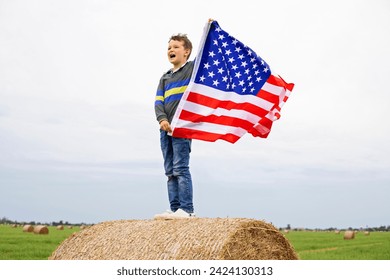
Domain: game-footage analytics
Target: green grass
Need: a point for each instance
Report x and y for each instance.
(18, 245)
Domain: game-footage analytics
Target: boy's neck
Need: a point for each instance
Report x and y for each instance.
(175, 68)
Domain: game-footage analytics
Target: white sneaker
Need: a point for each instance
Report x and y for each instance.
(180, 214)
(163, 216)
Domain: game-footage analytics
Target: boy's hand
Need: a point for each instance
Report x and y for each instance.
(164, 125)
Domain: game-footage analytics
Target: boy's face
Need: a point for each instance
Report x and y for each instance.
(177, 54)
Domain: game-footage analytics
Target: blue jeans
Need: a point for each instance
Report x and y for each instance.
(176, 153)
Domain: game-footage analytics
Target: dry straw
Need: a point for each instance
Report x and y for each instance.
(41, 230)
(28, 228)
(60, 227)
(349, 234)
(181, 239)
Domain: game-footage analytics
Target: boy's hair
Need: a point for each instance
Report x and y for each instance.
(182, 38)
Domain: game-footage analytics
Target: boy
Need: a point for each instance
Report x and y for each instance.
(176, 151)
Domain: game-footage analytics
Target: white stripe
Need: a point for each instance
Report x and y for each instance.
(212, 128)
(230, 96)
(207, 111)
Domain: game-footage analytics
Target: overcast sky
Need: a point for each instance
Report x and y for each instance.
(79, 141)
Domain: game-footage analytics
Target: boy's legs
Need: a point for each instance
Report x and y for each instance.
(172, 183)
(181, 171)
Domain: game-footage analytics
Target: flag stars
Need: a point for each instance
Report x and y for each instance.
(221, 70)
(229, 65)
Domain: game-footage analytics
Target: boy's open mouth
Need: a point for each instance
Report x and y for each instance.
(172, 55)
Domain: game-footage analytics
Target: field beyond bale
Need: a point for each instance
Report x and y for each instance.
(18, 245)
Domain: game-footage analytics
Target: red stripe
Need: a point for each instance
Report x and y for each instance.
(273, 98)
(278, 81)
(202, 135)
(224, 120)
(264, 129)
(229, 105)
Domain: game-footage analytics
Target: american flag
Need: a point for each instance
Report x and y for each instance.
(232, 91)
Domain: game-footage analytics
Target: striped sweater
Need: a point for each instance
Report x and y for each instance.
(170, 89)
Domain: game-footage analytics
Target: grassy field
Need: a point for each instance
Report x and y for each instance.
(18, 245)
(330, 246)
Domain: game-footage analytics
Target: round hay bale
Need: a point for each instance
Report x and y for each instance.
(82, 227)
(180, 239)
(337, 232)
(70, 227)
(366, 233)
(41, 230)
(60, 227)
(349, 234)
(28, 228)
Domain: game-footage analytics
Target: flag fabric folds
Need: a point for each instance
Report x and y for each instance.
(232, 92)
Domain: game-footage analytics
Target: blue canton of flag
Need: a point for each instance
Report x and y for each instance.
(227, 64)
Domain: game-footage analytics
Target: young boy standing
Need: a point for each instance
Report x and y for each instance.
(176, 151)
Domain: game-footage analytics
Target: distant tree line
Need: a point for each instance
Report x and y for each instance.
(5, 220)
(379, 228)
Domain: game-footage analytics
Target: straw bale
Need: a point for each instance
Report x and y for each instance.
(337, 232)
(70, 227)
(28, 228)
(349, 234)
(41, 230)
(366, 233)
(180, 239)
(60, 227)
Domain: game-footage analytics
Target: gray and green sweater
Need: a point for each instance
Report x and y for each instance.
(170, 89)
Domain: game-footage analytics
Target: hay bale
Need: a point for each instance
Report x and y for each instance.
(28, 228)
(60, 227)
(180, 239)
(70, 227)
(349, 234)
(366, 233)
(41, 230)
(82, 227)
(337, 232)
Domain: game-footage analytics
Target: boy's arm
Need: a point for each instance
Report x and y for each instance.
(161, 116)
